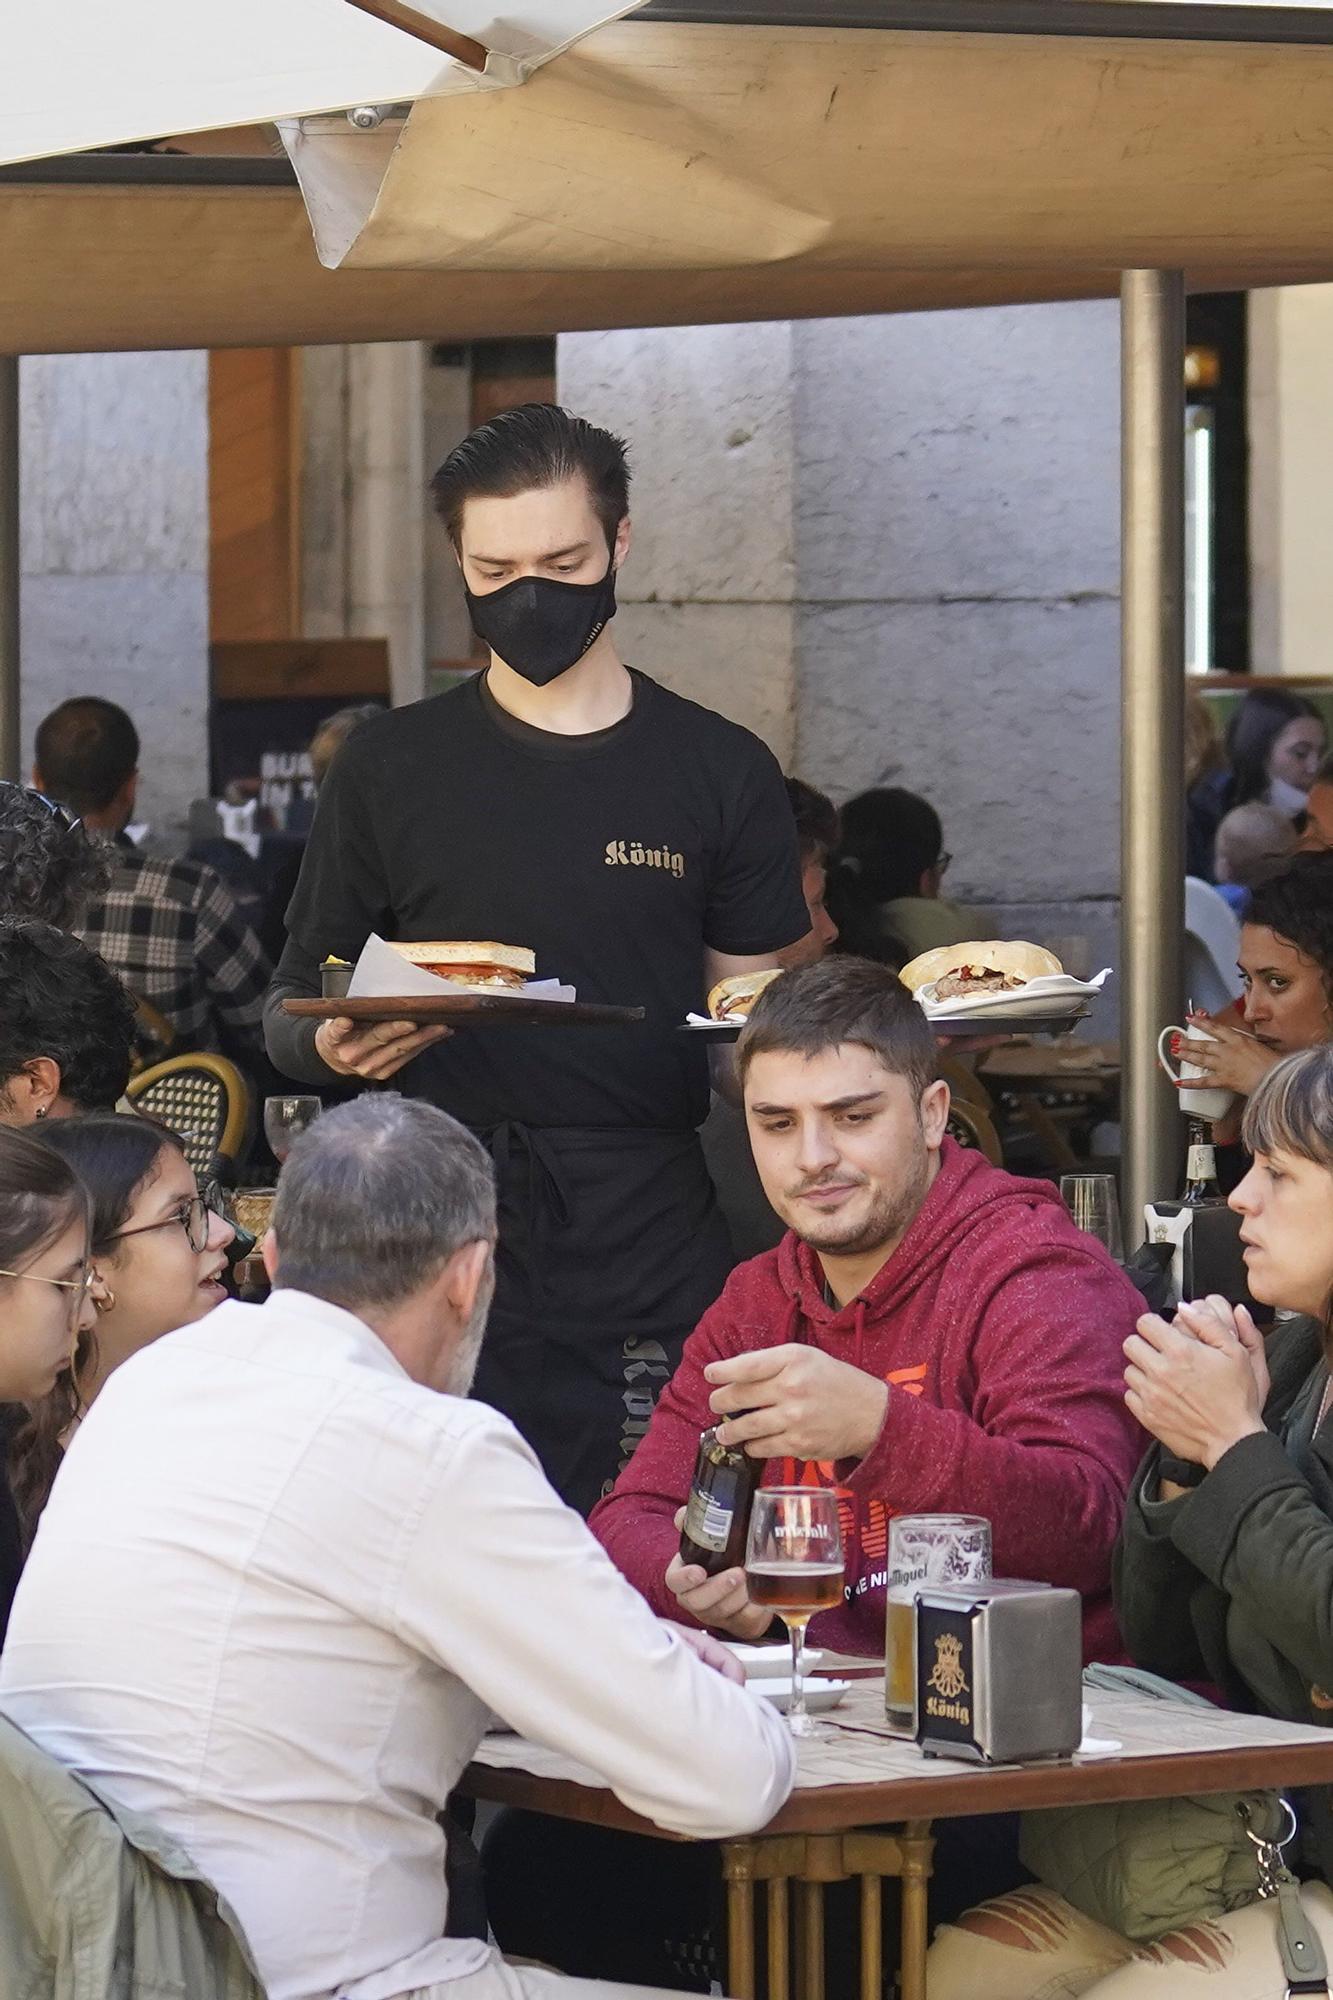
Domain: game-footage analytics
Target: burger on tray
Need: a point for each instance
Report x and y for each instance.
(954, 972)
(472, 967)
(731, 999)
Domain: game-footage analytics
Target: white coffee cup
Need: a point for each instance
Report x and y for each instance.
(1212, 1103)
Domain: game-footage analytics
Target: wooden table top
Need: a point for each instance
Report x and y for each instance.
(863, 1777)
(1073, 1065)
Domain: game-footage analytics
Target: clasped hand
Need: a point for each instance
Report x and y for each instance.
(1199, 1385)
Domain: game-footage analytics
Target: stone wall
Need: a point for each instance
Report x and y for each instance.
(890, 545)
(115, 555)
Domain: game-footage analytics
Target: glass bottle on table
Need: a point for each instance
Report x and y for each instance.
(1202, 1188)
(794, 1566)
(285, 1119)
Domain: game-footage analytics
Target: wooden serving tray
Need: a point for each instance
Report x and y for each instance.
(469, 1010)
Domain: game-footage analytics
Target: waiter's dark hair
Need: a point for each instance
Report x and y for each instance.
(840, 1000)
(521, 450)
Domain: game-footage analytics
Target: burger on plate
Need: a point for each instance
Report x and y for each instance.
(471, 967)
(731, 999)
(963, 971)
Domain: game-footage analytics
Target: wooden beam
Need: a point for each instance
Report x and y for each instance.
(397, 14)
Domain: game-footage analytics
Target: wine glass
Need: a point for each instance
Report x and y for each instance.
(285, 1119)
(1092, 1202)
(793, 1564)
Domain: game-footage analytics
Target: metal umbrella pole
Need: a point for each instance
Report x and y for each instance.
(10, 755)
(1152, 653)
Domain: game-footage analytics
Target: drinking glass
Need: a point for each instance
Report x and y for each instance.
(924, 1550)
(793, 1564)
(1092, 1201)
(285, 1119)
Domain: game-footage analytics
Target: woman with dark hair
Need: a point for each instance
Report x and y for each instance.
(1274, 743)
(45, 1306)
(1286, 966)
(49, 869)
(158, 1253)
(884, 882)
(1224, 1572)
(66, 1027)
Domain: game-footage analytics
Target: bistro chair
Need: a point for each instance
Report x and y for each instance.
(971, 1126)
(205, 1100)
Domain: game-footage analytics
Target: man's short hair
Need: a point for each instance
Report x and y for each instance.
(376, 1197)
(1253, 843)
(334, 731)
(840, 1000)
(816, 819)
(86, 750)
(59, 1000)
(523, 450)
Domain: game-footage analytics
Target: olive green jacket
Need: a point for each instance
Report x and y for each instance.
(102, 1905)
(1243, 1562)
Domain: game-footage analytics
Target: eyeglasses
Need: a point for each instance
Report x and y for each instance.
(942, 865)
(82, 1286)
(192, 1216)
(58, 812)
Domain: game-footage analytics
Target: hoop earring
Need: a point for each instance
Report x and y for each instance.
(106, 1302)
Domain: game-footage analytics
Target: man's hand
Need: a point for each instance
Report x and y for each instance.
(722, 1602)
(373, 1052)
(801, 1404)
(710, 1650)
(1199, 1396)
(1216, 1322)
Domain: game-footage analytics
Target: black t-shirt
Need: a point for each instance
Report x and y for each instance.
(617, 857)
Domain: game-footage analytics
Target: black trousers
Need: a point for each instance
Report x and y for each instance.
(612, 1247)
(603, 1905)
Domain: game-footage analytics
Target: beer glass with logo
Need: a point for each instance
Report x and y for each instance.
(793, 1563)
(924, 1550)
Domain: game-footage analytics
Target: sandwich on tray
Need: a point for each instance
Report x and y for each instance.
(964, 971)
(731, 999)
(472, 967)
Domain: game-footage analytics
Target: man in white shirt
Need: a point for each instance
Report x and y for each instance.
(287, 1569)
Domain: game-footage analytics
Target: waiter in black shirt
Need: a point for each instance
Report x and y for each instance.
(643, 847)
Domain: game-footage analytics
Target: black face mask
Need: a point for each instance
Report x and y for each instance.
(542, 628)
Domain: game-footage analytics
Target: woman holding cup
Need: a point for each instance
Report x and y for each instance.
(1286, 966)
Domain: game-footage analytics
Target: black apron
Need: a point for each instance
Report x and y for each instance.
(611, 1248)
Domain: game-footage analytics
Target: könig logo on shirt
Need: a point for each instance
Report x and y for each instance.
(632, 854)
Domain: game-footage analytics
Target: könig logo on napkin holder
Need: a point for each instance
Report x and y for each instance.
(999, 1671)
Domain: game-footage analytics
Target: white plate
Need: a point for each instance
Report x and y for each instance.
(772, 1663)
(1049, 995)
(819, 1695)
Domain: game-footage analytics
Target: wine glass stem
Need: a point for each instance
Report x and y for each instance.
(797, 1719)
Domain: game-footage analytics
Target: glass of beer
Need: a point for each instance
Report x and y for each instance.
(793, 1564)
(924, 1550)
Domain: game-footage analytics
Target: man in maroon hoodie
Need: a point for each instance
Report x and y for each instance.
(932, 1335)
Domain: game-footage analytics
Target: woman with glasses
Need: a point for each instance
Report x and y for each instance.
(158, 1252)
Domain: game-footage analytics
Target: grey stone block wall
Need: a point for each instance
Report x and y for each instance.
(114, 496)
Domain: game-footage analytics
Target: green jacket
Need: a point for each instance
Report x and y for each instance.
(97, 1904)
(1243, 1565)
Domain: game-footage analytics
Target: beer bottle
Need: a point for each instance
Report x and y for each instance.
(1201, 1184)
(717, 1513)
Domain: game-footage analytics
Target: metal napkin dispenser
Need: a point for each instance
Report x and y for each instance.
(999, 1672)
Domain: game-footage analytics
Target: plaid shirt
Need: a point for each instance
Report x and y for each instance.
(172, 932)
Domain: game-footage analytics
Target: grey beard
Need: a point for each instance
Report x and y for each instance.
(463, 1368)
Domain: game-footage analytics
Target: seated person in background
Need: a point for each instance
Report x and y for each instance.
(1318, 831)
(726, 1142)
(1286, 965)
(325, 744)
(168, 927)
(1254, 843)
(49, 869)
(1274, 742)
(1206, 776)
(885, 879)
(1225, 1567)
(66, 1027)
(372, 1565)
(931, 1335)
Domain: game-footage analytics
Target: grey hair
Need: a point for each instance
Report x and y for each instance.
(375, 1198)
(1291, 1110)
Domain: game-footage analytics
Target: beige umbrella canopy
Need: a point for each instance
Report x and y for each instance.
(790, 158)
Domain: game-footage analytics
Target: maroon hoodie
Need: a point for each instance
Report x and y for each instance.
(998, 1328)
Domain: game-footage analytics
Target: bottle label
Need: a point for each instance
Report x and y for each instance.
(1201, 1164)
(706, 1523)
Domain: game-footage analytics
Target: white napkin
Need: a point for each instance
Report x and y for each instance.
(1097, 1746)
(381, 974)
